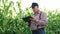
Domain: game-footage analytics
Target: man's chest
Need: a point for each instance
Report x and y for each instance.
(36, 16)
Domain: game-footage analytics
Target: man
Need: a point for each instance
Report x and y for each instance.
(38, 21)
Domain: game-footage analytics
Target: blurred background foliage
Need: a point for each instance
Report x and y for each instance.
(11, 22)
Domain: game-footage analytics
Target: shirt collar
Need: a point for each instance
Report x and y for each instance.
(37, 13)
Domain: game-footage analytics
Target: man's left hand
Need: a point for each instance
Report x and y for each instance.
(33, 19)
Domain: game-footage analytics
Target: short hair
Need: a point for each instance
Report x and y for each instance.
(34, 4)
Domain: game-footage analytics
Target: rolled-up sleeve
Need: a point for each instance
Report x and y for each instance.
(43, 20)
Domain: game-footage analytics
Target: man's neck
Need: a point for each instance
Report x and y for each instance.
(36, 12)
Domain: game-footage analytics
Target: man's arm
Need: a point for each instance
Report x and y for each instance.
(43, 20)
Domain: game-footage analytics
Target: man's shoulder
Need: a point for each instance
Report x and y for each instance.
(42, 12)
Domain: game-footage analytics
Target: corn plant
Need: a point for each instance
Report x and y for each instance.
(11, 19)
(53, 26)
(10, 25)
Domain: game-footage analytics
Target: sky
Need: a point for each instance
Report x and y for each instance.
(48, 4)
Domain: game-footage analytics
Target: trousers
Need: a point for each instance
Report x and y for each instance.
(38, 31)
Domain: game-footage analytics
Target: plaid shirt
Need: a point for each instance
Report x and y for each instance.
(42, 22)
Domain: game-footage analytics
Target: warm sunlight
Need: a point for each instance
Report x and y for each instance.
(48, 4)
(16, 17)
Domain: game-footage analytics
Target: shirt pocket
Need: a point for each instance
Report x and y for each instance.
(33, 26)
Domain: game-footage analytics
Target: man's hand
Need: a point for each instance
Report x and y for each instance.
(33, 19)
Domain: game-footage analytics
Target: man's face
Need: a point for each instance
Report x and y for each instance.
(35, 9)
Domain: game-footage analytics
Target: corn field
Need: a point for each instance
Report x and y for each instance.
(11, 22)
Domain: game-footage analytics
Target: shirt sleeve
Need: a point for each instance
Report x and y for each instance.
(43, 20)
